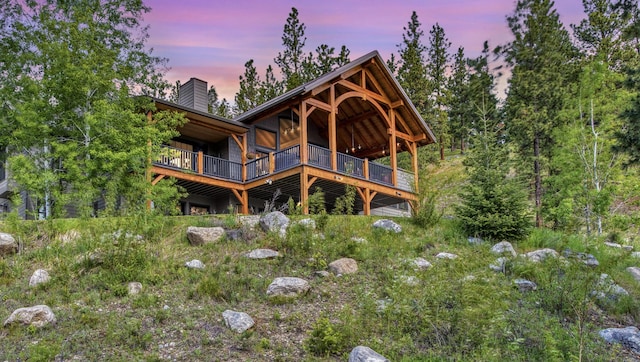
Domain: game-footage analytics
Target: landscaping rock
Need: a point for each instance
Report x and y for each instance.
(635, 272)
(387, 225)
(359, 240)
(307, 223)
(287, 287)
(446, 256)
(250, 221)
(636, 254)
(612, 245)
(421, 263)
(627, 247)
(234, 234)
(607, 289)
(322, 273)
(525, 285)
(409, 280)
(237, 321)
(199, 235)
(628, 337)
(587, 259)
(365, 354)
(262, 254)
(343, 266)
(503, 247)
(475, 241)
(37, 316)
(276, 222)
(38, 277)
(134, 288)
(8, 244)
(194, 264)
(538, 256)
(499, 265)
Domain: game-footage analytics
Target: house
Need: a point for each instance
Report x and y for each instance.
(327, 133)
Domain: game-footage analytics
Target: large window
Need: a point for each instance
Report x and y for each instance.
(265, 139)
(289, 133)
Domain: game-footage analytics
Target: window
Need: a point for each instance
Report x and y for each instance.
(265, 138)
(289, 133)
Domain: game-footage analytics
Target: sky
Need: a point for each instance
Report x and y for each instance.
(213, 39)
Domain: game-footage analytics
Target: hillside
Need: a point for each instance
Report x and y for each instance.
(457, 309)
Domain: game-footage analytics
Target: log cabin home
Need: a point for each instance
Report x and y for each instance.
(327, 133)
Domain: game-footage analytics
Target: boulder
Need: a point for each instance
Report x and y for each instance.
(262, 254)
(8, 244)
(388, 225)
(635, 254)
(635, 272)
(499, 265)
(38, 277)
(234, 234)
(287, 287)
(307, 223)
(134, 288)
(607, 289)
(538, 256)
(587, 259)
(199, 235)
(525, 285)
(237, 321)
(612, 245)
(628, 337)
(421, 264)
(503, 247)
(365, 354)
(249, 221)
(194, 264)
(343, 266)
(446, 256)
(275, 222)
(37, 316)
(475, 241)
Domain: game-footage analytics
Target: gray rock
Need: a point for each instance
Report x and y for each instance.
(307, 223)
(343, 266)
(249, 220)
(587, 259)
(421, 263)
(628, 337)
(538, 256)
(627, 247)
(612, 245)
(237, 321)
(37, 316)
(607, 289)
(635, 254)
(525, 285)
(475, 241)
(635, 272)
(199, 235)
(359, 240)
(287, 287)
(446, 256)
(262, 254)
(134, 288)
(234, 234)
(275, 222)
(387, 225)
(194, 264)
(409, 280)
(499, 265)
(383, 304)
(38, 277)
(365, 354)
(503, 247)
(322, 273)
(8, 244)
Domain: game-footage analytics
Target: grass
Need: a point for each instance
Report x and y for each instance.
(456, 310)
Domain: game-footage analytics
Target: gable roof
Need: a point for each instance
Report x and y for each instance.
(303, 90)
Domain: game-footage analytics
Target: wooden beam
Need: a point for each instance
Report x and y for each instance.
(392, 148)
(414, 159)
(333, 137)
(304, 132)
(375, 104)
(319, 104)
(397, 104)
(399, 134)
(243, 198)
(239, 143)
(311, 109)
(366, 92)
(312, 180)
(304, 191)
(373, 186)
(205, 180)
(157, 179)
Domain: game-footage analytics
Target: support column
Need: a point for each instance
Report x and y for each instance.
(414, 158)
(333, 138)
(243, 198)
(304, 191)
(393, 149)
(303, 133)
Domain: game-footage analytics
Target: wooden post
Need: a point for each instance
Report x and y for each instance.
(303, 133)
(244, 158)
(333, 138)
(414, 150)
(272, 162)
(366, 168)
(393, 150)
(304, 191)
(200, 162)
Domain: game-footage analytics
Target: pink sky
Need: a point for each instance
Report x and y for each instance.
(212, 39)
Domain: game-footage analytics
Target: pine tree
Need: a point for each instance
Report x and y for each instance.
(494, 204)
(291, 59)
(540, 58)
(248, 96)
(459, 101)
(436, 67)
(412, 74)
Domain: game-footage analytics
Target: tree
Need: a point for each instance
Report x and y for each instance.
(270, 87)
(459, 102)
(436, 68)
(248, 96)
(494, 204)
(291, 59)
(70, 120)
(540, 59)
(412, 74)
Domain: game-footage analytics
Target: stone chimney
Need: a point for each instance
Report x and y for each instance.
(193, 94)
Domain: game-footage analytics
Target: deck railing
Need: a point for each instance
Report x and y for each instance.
(178, 158)
(3, 173)
(287, 158)
(279, 161)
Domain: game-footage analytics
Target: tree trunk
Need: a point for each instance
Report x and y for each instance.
(538, 179)
(441, 148)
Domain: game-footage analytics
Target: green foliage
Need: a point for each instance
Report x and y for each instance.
(324, 339)
(344, 203)
(425, 209)
(493, 203)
